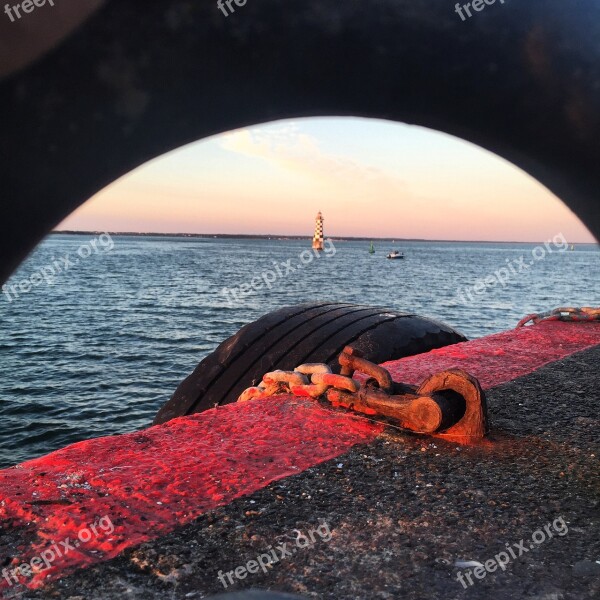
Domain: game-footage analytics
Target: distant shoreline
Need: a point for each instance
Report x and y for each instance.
(250, 236)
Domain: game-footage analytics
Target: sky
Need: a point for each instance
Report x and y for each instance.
(370, 178)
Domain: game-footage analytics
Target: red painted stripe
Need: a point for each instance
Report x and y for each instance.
(503, 357)
(149, 482)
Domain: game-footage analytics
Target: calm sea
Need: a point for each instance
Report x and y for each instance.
(102, 346)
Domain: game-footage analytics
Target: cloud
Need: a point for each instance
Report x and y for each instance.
(287, 147)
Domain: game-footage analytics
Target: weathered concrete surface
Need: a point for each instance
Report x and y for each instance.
(402, 510)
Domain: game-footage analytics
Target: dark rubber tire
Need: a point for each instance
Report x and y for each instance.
(294, 335)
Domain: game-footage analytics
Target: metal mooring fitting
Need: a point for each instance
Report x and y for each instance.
(449, 404)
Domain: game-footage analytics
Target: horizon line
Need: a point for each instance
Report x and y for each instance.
(296, 237)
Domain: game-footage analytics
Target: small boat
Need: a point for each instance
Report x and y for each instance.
(395, 255)
(372, 249)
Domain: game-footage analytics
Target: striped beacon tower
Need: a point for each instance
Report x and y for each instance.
(318, 239)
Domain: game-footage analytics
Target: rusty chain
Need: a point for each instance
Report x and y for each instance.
(460, 415)
(584, 314)
(298, 383)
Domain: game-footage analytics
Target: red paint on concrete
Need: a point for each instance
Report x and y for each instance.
(503, 357)
(147, 483)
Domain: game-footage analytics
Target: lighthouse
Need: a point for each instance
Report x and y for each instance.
(318, 238)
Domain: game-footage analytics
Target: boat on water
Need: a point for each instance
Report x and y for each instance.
(372, 249)
(395, 255)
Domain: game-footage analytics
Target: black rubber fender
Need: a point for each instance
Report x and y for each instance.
(286, 338)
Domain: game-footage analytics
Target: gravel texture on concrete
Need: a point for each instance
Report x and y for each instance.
(403, 516)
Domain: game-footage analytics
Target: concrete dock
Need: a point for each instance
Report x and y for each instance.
(365, 513)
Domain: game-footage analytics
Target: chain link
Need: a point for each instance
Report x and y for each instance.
(297, 382)
(584, 314)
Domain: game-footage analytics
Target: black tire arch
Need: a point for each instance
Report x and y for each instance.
(138, 79)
